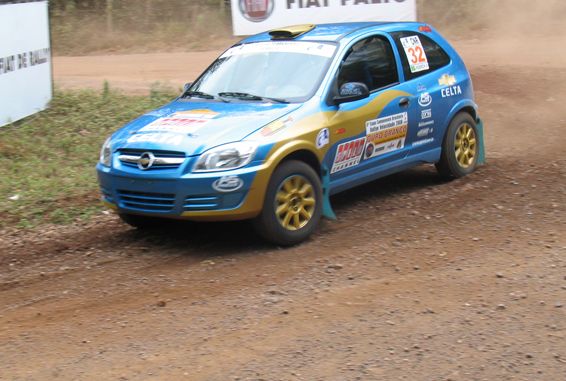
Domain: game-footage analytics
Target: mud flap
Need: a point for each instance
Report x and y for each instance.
(327, 211)
(481, 151)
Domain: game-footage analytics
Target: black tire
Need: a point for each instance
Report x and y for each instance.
(449, 166)
(270, 225)
(142, 222)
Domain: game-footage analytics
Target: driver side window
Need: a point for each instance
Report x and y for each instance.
(370, 61)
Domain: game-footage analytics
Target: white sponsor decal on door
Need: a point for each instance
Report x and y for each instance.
(386, 134)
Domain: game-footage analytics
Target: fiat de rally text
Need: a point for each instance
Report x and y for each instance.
(286, 118)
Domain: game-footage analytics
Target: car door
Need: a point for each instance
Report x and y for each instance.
(371, 131)
(422, 60)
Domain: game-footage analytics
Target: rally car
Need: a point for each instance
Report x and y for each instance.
(286, 118)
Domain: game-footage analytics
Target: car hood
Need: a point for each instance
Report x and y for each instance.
(193, 126)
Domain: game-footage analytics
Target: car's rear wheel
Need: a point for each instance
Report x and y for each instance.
(142, 222)
(460, 148)
(293, 204)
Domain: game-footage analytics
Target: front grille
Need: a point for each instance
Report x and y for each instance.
(164, 159)
(158, 202)
(201, 203)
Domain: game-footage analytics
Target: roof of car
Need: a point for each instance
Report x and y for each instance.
(336, 32)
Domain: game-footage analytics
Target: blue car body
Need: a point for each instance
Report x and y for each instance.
(334, 139)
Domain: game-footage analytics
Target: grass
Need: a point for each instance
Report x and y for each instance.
(47, 160)
(185, 26)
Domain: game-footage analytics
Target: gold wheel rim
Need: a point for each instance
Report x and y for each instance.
(465, 145)
(295, 202)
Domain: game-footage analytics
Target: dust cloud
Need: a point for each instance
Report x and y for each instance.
(524, 17)
(496, 18)
(504, 32)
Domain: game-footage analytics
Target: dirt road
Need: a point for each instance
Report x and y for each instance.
(133, 73)
(417, 280)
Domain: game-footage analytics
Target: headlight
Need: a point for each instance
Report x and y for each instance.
(106, 153)
(225, 157)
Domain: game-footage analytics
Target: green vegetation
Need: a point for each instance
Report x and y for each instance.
(47, 160)
(82, 27)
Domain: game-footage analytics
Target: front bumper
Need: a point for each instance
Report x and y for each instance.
(191, 196)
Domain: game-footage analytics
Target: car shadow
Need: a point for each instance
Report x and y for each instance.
(399, 183)
(226, 238)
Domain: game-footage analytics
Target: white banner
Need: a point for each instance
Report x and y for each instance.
(25, 60)
(255, 16)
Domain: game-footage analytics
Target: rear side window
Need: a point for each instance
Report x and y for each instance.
(370, 61)
(419, 54)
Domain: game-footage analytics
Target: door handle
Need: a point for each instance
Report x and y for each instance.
(404, 102)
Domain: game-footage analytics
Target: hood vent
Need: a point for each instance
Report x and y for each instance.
(290, 32)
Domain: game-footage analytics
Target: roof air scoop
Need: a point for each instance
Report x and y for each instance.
(290, 32)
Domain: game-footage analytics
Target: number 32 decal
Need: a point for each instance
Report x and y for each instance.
(415, 53)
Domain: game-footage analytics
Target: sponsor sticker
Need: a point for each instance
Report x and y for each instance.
(426, 114)
(415, 53)
(427, 123)
(425, 132)
(425, 100)
(304, 47)
(450, 88)
(447, 80)
(348, 154)
(183, 122)
(276, 126)
(227, 184)
(386, 134)
(323, 138)
(451, 91)
(157, 137)
(423, 142)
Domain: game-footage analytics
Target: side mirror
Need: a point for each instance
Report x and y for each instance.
(351, 91)
(187, 86)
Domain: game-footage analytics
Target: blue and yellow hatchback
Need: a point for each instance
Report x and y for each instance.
(284, 119)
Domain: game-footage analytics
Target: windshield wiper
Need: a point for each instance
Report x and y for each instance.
(200, 94)
(251, 97)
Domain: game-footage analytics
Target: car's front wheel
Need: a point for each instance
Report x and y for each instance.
(293, 204)
(460, 148)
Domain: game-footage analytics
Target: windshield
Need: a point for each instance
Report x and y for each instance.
(281, 70)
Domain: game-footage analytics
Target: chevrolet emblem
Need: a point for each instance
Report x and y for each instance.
(447, 80)
(146, 160)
